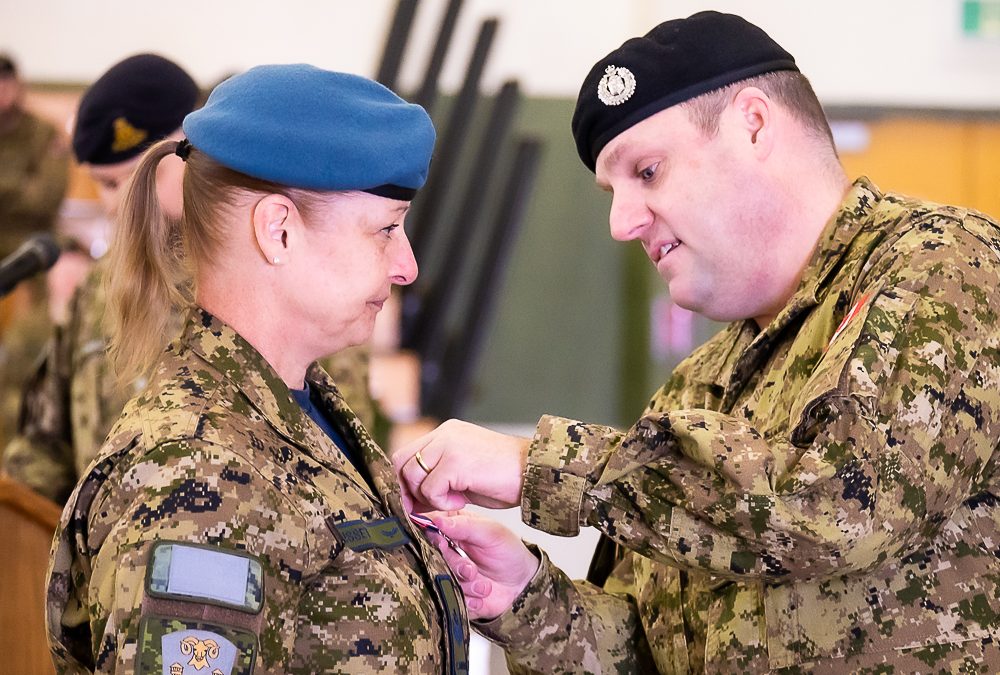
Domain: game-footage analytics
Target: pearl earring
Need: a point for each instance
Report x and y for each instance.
(276, 260)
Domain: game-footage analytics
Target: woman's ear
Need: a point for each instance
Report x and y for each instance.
(273, 217)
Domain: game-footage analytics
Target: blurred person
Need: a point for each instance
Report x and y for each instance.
(73, 398)
(34, 170)
(814, 489)
(240, 518)
(34, 165)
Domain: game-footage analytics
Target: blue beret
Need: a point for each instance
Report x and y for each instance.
(136, 103)
(675, 62)
(303, 127)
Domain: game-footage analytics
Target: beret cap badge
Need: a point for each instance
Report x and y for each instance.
(126, 135)
(617, 85)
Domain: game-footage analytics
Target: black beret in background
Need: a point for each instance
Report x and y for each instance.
(7, 66)
(136, 103)
(676, 61)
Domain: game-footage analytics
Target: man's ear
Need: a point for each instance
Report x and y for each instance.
(273, 218)
(753, 115)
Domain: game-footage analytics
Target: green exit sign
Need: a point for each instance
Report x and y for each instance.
(981, 18)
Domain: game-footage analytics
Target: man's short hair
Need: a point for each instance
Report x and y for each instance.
(789, 88)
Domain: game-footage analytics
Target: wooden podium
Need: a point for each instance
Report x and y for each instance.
(27, 523)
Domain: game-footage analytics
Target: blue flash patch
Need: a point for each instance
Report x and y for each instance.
(206, 573)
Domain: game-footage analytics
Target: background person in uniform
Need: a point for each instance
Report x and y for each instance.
(71, 401)
(34, 166)
(34, 170)
(240, 517)
(814, 489)
(74, 397)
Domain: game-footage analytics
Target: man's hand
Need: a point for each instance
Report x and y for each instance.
(459, 463)
(499, 564)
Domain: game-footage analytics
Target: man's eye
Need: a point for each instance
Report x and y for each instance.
(648, 173)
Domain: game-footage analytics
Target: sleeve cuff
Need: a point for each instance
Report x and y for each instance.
(564, 459)
(518, 627)
(551, 500)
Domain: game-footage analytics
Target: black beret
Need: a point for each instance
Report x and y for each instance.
(675, 62)
(138, 102)
(7, 67)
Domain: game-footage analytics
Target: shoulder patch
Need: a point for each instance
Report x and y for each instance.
(195, 572)
(170, 646)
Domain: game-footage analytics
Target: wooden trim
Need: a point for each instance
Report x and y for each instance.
(32, 505)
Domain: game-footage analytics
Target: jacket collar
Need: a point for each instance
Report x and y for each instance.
(749, 344)
(840, 233)
(240, 363)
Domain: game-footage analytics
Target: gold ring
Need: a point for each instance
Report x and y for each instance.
(420, 461)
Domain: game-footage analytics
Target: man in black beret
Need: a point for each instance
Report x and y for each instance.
(813, 490)
(137, 102)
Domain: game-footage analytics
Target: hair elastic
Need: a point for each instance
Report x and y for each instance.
(183, 149)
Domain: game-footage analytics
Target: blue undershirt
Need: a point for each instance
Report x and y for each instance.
(306, 398)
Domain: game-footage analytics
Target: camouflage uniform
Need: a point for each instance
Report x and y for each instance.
(216, 457)
(70, 402)
(74, 397)
(349, 368)
(34, 170)
(816, 497)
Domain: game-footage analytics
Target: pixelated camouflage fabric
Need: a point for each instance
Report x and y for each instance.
(811, 497)
(215, 451)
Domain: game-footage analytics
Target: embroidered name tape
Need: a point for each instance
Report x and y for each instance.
(206, 573)
(362, 535)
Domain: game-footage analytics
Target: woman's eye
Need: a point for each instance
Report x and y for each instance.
(389, 228)
(648, 173)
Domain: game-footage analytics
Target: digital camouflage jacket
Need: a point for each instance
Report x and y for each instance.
(816, 497)
(221, 530)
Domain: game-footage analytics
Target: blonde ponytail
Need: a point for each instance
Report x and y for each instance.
(146, 281)
(154, 260)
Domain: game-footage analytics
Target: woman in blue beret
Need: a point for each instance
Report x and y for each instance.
(239, 518)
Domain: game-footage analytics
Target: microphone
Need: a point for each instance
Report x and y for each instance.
(36, 254)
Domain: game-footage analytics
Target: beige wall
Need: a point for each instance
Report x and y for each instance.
(889, 52)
